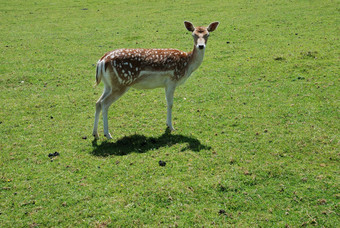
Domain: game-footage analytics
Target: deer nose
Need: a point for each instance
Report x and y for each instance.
(201, 46)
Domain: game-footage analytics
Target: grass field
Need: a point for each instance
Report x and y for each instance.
(257, 125)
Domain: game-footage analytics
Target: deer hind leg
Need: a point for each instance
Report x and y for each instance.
(169, 93)
(105, 104)
(98, 110)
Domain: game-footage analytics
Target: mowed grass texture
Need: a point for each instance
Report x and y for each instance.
(257, 139)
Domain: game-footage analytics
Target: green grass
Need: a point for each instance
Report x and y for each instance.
(257, 140)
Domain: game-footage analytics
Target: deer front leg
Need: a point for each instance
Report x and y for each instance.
(169, 93)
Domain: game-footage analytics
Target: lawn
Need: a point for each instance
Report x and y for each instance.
(257, 125)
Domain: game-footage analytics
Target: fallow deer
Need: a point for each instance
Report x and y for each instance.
(147, 69)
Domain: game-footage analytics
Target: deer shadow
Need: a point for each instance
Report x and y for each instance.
(140, 144)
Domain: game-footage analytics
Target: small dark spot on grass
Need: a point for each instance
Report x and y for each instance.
(162, 163)
(234, 124)
(51, 155)
(313, 222)
(311, 54)
(84, 9)
(84, 137)
(279, 58)
(222, 212)
(28, 203)
(222, 188)
(298, 78)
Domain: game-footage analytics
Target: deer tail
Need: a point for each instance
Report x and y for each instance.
(99, 71)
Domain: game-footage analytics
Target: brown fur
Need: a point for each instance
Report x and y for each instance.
(128, 63)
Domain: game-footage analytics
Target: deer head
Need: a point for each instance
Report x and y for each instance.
(200, 34)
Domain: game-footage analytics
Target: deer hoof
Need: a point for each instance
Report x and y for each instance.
(95, 135)
(171, 128)
(108, 136)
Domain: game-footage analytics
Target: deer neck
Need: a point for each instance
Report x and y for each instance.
(196, 58)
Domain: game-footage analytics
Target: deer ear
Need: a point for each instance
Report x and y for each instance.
(212, 26)
(189, 26)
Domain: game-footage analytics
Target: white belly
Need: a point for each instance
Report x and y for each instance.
(152, 79)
